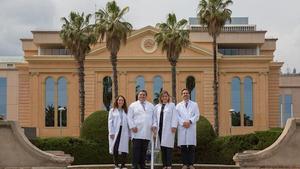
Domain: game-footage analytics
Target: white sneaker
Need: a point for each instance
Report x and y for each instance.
(116, 167)
(191, 167)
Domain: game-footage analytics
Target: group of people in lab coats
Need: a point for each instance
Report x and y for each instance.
(142, 120)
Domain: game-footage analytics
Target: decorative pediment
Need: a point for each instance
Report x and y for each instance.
(141, 44)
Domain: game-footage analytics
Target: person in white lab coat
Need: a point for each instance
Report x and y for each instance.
(188, 115)
(118, 132)
(142, 125)
(166, 117)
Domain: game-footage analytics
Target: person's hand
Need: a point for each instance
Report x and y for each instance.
(186, 124)
(154, 129)
(112, 136)
(135, 130)
(173, 129)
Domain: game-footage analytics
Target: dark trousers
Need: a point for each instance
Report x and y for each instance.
(187, 154)
(119, 158)
(166, 156)
(139, 150)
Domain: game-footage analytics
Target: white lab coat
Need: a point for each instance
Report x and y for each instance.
(142, 119)
(114, 123)
(191, 112)
(169, 121)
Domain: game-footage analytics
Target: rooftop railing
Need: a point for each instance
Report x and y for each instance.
(227, 28)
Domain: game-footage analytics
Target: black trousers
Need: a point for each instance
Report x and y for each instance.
(187, 154)
(166, 156)
(119, 158)
(139, 150)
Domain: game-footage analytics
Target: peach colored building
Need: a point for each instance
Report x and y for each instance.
(9, 85)
(248, 75)
(289, 96)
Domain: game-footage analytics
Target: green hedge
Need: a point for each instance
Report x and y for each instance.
(92, 146)
(224, 148)
(83, 151)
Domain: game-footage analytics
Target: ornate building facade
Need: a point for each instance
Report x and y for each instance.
(248, 78)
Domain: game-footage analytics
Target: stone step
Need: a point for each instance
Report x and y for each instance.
(156, 166)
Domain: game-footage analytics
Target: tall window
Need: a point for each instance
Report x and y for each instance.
(3, 96)
(139, 84)
(107, 92)
(242, 102)
(56, 98)
(190, 85)
(236, 101)
(49, 106)
(62, 102)
(157, 88)
(248, 102)
(287, 113)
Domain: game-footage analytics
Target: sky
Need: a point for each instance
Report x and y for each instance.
(280, 18)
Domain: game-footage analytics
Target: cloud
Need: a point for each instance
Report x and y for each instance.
(288, 48)
(18, 19)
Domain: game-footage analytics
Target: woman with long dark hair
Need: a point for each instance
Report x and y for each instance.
(118, 132)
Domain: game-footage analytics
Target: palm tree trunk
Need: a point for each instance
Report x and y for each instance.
(81, 90)
(173, 69)
(115, 75)
(215, 86)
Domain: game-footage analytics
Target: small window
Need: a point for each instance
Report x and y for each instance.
(157, 88)
(190, 85)
(107, 92)
(3, 97)
(139, 85)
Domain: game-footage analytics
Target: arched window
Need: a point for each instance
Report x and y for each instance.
(248, 101)
(107, 92)
(236, 101)
(3, 96)
(62, 102)
(49, 102)
(157, 88)
(190, 85)
(139, 85)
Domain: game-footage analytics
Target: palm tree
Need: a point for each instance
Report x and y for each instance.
(78, 35)
(110, 24)
(172, 37)
(213, 14)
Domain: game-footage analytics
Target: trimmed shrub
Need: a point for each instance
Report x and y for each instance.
(95, 128)
(83, 151)
(205, 137)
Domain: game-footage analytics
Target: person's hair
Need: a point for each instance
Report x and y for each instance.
(161, 95)
(143, 90)
(124, 107)
(184, 90)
